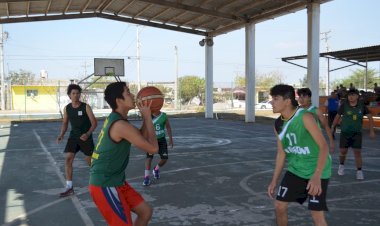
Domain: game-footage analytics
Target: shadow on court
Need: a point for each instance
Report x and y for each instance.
(217, 174)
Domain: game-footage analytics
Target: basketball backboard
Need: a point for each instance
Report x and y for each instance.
(108, 67)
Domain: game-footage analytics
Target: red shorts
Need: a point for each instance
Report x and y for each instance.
(115, 203)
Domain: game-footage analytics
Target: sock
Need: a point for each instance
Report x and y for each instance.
(146, 173)
(157, 167)
(359, 168)
(69, 184)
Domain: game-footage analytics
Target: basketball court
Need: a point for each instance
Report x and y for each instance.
(217, 174)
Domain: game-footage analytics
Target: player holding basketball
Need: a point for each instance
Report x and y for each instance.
(83, 123)
(113, 196)
(160, 122)
(300, 141)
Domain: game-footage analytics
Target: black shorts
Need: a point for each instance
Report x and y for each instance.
(293, 189)
(162, 149)
(75, 144)
(351, 140)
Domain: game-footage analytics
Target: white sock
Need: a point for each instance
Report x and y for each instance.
(157, 167)
(69, 184)
(146, 173)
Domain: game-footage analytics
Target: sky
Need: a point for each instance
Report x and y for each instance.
(66, 49)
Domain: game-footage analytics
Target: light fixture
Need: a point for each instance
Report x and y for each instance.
(207, 41)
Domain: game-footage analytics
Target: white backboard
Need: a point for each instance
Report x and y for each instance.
(108, 67)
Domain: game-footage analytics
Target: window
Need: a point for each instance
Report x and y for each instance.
(31, 93)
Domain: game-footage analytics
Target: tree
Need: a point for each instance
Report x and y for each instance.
(191, 86)
(357, 78)
(303, 82)
(164, 90)
(239, 81)
(262, 80)
(101, 83)
(20, 77)
(269, 79)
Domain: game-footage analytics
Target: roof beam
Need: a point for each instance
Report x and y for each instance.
(27, 9)
(7, 9)
(260, 17)
(84, 8)
(193, 9)
(159, 14)
(104, 5)
(142, 11)
(48, 8)
(125, 7)
(151, 24)
(67, 7)
(47, 18)
(7, 1)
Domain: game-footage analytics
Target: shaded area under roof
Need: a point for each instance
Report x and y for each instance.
(358, 55)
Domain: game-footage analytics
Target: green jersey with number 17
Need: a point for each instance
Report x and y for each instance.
(301, 150)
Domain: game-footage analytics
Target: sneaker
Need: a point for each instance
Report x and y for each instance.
(156, 173)
(68, 192)
(146, 181)
(359, 175)
(341, 170)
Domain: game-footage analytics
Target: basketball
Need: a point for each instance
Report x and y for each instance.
(153, 94)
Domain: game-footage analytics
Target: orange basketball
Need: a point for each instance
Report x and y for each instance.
(153, 94)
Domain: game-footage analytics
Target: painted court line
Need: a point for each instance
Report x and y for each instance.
(86, 219)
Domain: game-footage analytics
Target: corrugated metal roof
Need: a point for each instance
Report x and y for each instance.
(202, 17)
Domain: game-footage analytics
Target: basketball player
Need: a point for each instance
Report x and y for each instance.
(83, 123)
(160, 122)
(351, 113)
(300, 141)
(113, 196)
(304, 100)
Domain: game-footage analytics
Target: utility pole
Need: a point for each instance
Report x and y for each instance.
(3, 37)
(138, 60)
(176, 78)
(326, 38)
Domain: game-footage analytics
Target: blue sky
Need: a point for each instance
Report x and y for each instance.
(63, 48)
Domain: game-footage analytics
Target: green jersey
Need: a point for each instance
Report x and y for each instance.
(110, 159)
(313, 110)
(301, 149)
(159, 123)
(79, 121)
(352, 117)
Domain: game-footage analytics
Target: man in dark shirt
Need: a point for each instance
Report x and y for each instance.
(351, 112)
(83, 123)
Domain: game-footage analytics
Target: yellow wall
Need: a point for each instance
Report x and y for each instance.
(46, 100)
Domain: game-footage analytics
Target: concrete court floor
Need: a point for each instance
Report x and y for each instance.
(217, 174)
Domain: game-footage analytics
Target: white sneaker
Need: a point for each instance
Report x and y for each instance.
(359, 175)
(341, 170)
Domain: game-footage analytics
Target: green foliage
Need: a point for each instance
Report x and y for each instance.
(239, 81)
(20, 77)
(101, 82)
(303, 82)
(266, 80)
(164, 90)
(357, 78)
(191, 86)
